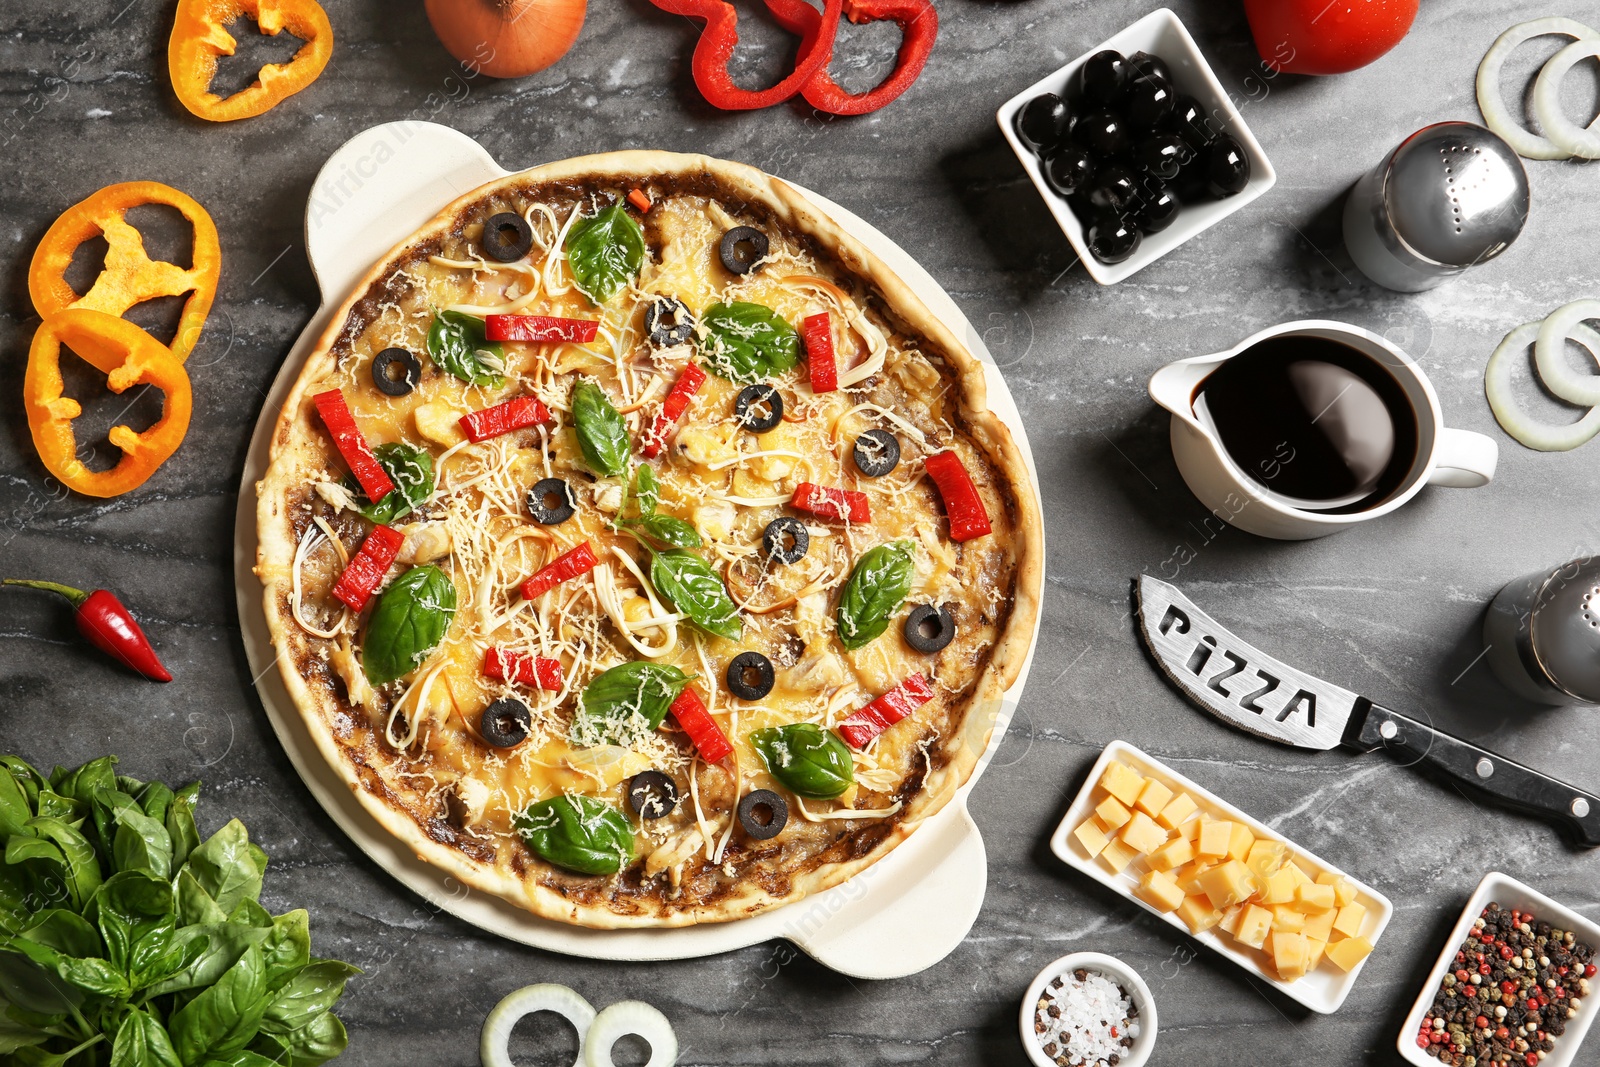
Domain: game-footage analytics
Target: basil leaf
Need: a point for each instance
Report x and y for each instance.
(141, 844)
(138, 918)
(226, 869)
(224, 1017)
(215, 947)
(52, 805)
(806, 759)
(578, 833)
(32, 988)
(312, 991)
(82, 783)
(602, 433)
(629, 700)
(646, 490)
(78, 856)
(65, 931)
(26, 776)
(16, 1035)
(746, 342)
(180, 823)
(143, 1042)
(409, 622)
(287, 947)
(14, 807)
(314, 1044)
(411, 470)
(153, 798)
(694, 589)
(604, 252)
(665, 530)
(457, 343)
(876, 589)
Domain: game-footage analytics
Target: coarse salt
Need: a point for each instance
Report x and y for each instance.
(1085, 1018)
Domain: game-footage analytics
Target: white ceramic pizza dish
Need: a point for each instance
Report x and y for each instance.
(1325, 988)
(900, 916)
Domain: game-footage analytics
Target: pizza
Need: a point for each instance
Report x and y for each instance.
(640, 548)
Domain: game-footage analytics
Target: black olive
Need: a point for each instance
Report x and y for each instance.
(1043, 122)
(550, 501)
(1114, 188)
(1148, 102)
(785, 540)
(1227, 168)
(750, 676)
(505, 723)
(759, 408)
(742, 248)
(876, 453)
(1145, 65)
(652, 794)
(1112, 239)
(396, 372)
(1161, 154)
(668, 322)
(1068, 169)
(929, 628)
(1102, 76)
(1156, 208)
(506, 237)
(1102, 132)
(763, 814)
(1193, 123)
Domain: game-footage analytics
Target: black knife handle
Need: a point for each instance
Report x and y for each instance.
(1409, 741)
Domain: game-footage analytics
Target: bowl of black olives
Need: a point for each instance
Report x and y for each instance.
(1136, 147)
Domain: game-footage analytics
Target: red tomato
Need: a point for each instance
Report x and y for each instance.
(1327, 36)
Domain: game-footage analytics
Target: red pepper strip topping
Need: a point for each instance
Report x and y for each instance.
(352, 446)
(878, 716)
(519, 667)
(818, 330)
(639, 200)
(516, 414)
(105, 623)
(919, 26)
(355, 586)
(715, 48)
(968, 517)
(836, 505)
(567, 566)
(690, 713)
(540, 328)
(672, 409)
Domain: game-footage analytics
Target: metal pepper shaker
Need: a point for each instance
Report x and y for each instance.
(1543, 634)
(1449, 197)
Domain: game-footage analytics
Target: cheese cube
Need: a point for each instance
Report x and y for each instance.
(1265, 858)
(1319, 924)
(1143, 835)
(1344, 890)
(1158, 890)
(1113, 814)
(1174, 853)
(1230, 919)
(1214, 838)
(1188, 875)
(1254, 925)
(1289, 954)
(1228, 883)
(1117, 856)
(1279, 888)
(1287, 919)
(1091, 837)
(1177, 811)
(1314, 950)
(1198, 914)
(1122, 783)
(1300, 877)
(1240, 841)
(1313, 897)
(1152, 798)
(1349, 952)
(1351, 916)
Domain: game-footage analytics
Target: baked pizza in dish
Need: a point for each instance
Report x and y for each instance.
(641, 549)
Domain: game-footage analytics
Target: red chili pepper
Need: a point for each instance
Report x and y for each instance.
(365, 572)
(107, 625)
(715, 48)
(919, 26)
(639, 200)
(507, 666)
(968, 517)
(836, 505)
(517, 414)
(375, 481)
(567, 566)
(539, 328)
(672, 409)
(691, 714)
(820, 358)
(890, 708)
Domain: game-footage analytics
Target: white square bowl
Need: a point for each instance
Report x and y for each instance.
(1510, 894)
(1161, 34)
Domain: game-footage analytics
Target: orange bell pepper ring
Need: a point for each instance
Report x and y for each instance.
(128, 356)
(200, 35)
(130, 276)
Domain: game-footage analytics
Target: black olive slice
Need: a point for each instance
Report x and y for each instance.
(505, 722)
(759, 408)
(396, 372)
(506, 237)
(876, 452)
(668, 322)
(742, 249)
(763, 814)
(929, 628)
(750, 676)
(550, 502)
(785, 540)
(652, 794)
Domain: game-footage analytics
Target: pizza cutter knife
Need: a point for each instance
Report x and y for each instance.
(1249, 690)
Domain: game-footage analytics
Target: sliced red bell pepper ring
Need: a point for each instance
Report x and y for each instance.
(690, 713)
(862, 726)
(835, 505)
(567, 566)
(540, 328)
(919, 26)
(820, 358)
(968, 517)
(672, 409)
(347, 437)
(516, 414)
(365, 571)
(504, 665)
(715, 48)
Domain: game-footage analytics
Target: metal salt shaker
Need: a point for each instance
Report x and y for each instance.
(1543, 634)
(1450, 196)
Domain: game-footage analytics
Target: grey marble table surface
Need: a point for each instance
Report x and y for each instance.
(1391, 609)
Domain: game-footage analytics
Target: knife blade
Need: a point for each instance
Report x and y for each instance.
(1252, 691)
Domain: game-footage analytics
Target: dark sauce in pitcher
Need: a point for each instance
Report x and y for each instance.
(1314, 420)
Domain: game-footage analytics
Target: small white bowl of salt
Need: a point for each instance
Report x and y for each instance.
(1088, 1009)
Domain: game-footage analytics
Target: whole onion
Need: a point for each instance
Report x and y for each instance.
(506, 38)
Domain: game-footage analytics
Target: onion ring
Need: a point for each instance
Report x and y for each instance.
(630, 1017)
(1541, 436)
(1496, 115)
(494, 1048)
(1549, 354)
(1558, 129)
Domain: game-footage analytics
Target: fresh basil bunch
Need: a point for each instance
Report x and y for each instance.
(657, 531)
(604, 252)
(578, 833)
(602, 433)
(125, 939)
(411, 470)
(746, 342)
(877, 587)
(692, 587)
(808, 760)
(628, 700)
(457, 343)
(409, 622)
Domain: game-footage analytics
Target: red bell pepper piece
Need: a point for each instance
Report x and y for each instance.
(715, 48)
(516, 414)
(968, 517)
(690, 713)
(835, 505)
(507, 666)
(919, 26)
(539, 328)
(375, 481)
(672, 409)
(372, 561)
(820, 358)
(861, 727)
(105, 623)
(566, 567)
